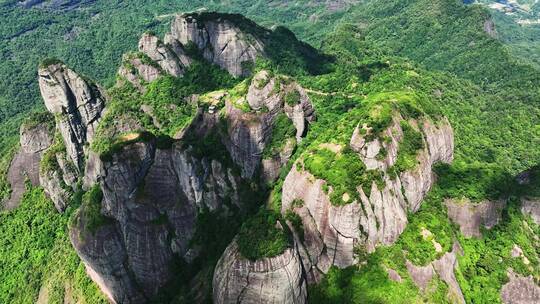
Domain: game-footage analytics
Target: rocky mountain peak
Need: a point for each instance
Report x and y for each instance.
(76, 102)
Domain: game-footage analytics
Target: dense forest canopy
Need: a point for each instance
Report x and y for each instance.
(472, 63)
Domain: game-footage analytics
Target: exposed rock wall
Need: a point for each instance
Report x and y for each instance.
(332, 232)
(77, 104)
(470, 217)
(34, 140)
(162, 54)
(270, 280)
(520, 290)
(249, 133)
(444, 268)
(220, 41)
(531, 207)
(153, 197)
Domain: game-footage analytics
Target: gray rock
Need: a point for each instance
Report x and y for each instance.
(520, 290)
(249, 133)
(470, 217)
(153, 196)
(444, 268)
(56, 189)
(77, 103)
(162, 54)
(135, 71)
(106, 260)
(220, 41)
(379, 217)
(270, 280)
(531, 207)
(34, 140)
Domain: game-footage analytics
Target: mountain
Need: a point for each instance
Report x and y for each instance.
(229, 162)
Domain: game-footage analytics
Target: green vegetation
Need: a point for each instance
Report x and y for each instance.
(38, 118)
(343, 171)
(370, 284)
(35, 251)
(483, 268)
(292, 98)
(282, 131)
(49, 161)
(416, 58)
(260, 237)
(167, 111)
(408, 149)
(90, 211)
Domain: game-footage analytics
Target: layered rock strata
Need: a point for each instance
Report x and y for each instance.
(152, 197)
(278, 279)
(77, 104)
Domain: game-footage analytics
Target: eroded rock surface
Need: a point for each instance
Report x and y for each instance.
(278, 279)
(520, 290)
(34, 140)
(470, 217)
(222, 40)
(531, 207)
(444, 269)
(152, 196)
(332, 232)
(76, 102)
(249, 133)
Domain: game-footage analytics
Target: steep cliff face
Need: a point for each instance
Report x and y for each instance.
(471, 217)
(34, 140)
(151, 197)
(77, 104)
(223, 40)
(444, 268)
(250, 133)
(332, 232)
(278, 279)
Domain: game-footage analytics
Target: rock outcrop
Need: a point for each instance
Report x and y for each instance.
(34, 140)
(470, 217)
(137, 71)
(162, 54)
(278, 279)
(520, 290)
(531, 207)
(332, 232)
(249, 133)
(226, 40)
(76, 102)
(444, 268)
(152, 196)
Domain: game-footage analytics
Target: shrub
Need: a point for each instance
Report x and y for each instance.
(259, 236)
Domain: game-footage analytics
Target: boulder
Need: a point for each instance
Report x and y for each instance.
(34, 140)
(520, 290)
(162, 54)
(531, 207)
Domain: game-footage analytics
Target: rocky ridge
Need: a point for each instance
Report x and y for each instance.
(333, 232)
